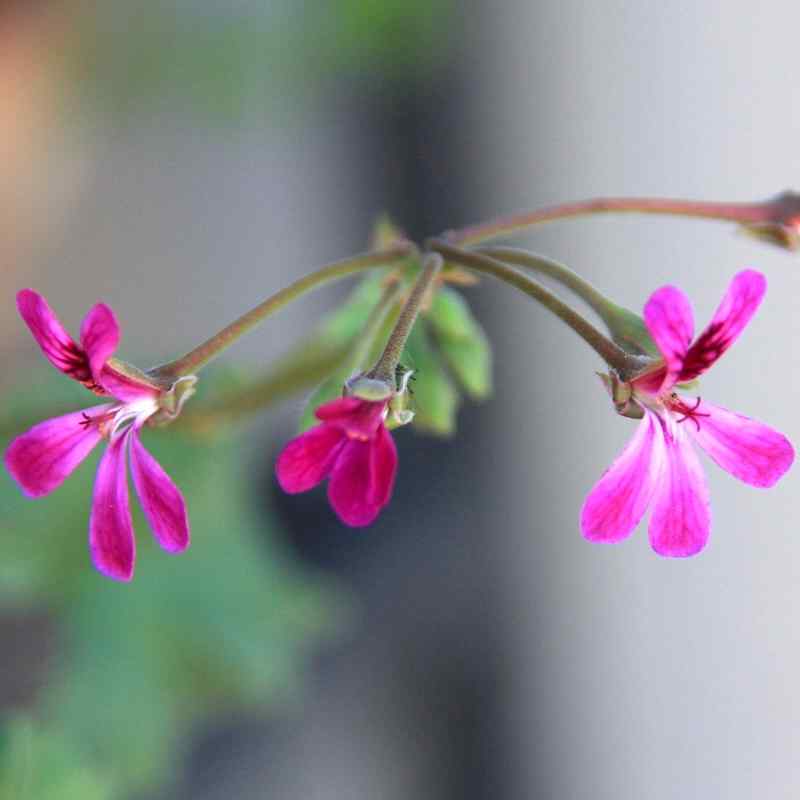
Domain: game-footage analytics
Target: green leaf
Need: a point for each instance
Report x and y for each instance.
(462, 342)
(435, 398)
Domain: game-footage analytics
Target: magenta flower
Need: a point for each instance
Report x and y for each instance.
(41, 459)
(659, 465)
(353, 447)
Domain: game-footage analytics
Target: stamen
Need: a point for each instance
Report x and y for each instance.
(692, 413)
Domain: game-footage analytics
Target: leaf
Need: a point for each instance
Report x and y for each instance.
(435, 398)
(462, 342)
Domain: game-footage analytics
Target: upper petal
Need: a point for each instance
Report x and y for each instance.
(359, 418)
(51, 336)
(748, 449)
(681, 518)
(41, 459)
(354, 491)
(161, 500)
(671, 324)
(99, 337)
(740, 302)
(618, 501)
(124, 387)
(111, 541)
(308, 458)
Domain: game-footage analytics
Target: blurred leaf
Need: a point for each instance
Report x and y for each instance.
(435, 398)
(462, 342)
(38, 764)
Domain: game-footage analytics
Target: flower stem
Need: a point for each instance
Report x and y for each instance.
(743, 213)
(623, 325)
(217, 344)
(624, 363)
(374, 324)
(385, 368)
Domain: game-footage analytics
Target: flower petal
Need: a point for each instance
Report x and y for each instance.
(740, 302)
(352, 490)
(99, 337)
(618, 501)
(111, 541)
(669, 319)
(748, 449)
(384, 467)
(161, 500)
(51, 336)
(309, 458)
(124, 387)
(41, 459)
(681, 518)
(359, 418)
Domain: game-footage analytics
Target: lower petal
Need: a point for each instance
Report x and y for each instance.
(384, 467)
(111, 540)
(41, 459)
(618, 501)
(352, 488)
(308, 459)
(681, 519)
(161, 500)
(748, 449)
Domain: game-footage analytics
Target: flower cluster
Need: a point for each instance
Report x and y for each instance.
(351, 445)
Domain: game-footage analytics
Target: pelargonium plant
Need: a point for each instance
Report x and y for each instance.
(366, 379)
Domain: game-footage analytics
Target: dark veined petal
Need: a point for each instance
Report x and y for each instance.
(741, 301)
(161, 500)
(41, 459)
(353, 489)
(51, 336)
(681, 518)
(748, 449)
(669, 319)
(99, 337)
(111, 541)
(308, 459)
(620, 498)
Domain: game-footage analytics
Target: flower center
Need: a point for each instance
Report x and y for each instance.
(677, 404)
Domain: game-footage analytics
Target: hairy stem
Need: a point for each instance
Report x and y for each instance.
(743, 213)
(390, 358)
(217, 344)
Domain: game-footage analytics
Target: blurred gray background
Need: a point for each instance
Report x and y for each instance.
(499, 654)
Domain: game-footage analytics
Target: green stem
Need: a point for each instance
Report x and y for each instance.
(217, 344)
(373, 326)
(385, 368)
(743, 213)
(624, 363)
(623, 325)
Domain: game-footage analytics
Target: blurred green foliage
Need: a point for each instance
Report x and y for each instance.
(222, 60)
(227, 625)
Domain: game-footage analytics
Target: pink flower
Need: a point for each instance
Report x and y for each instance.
(659, 465)
(353, 447)
(41, 459)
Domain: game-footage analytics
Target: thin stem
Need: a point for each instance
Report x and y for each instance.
(372, 327)
(217, 344)
(390, 358)
(624, 363)
(743, 213)
(623, 325)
